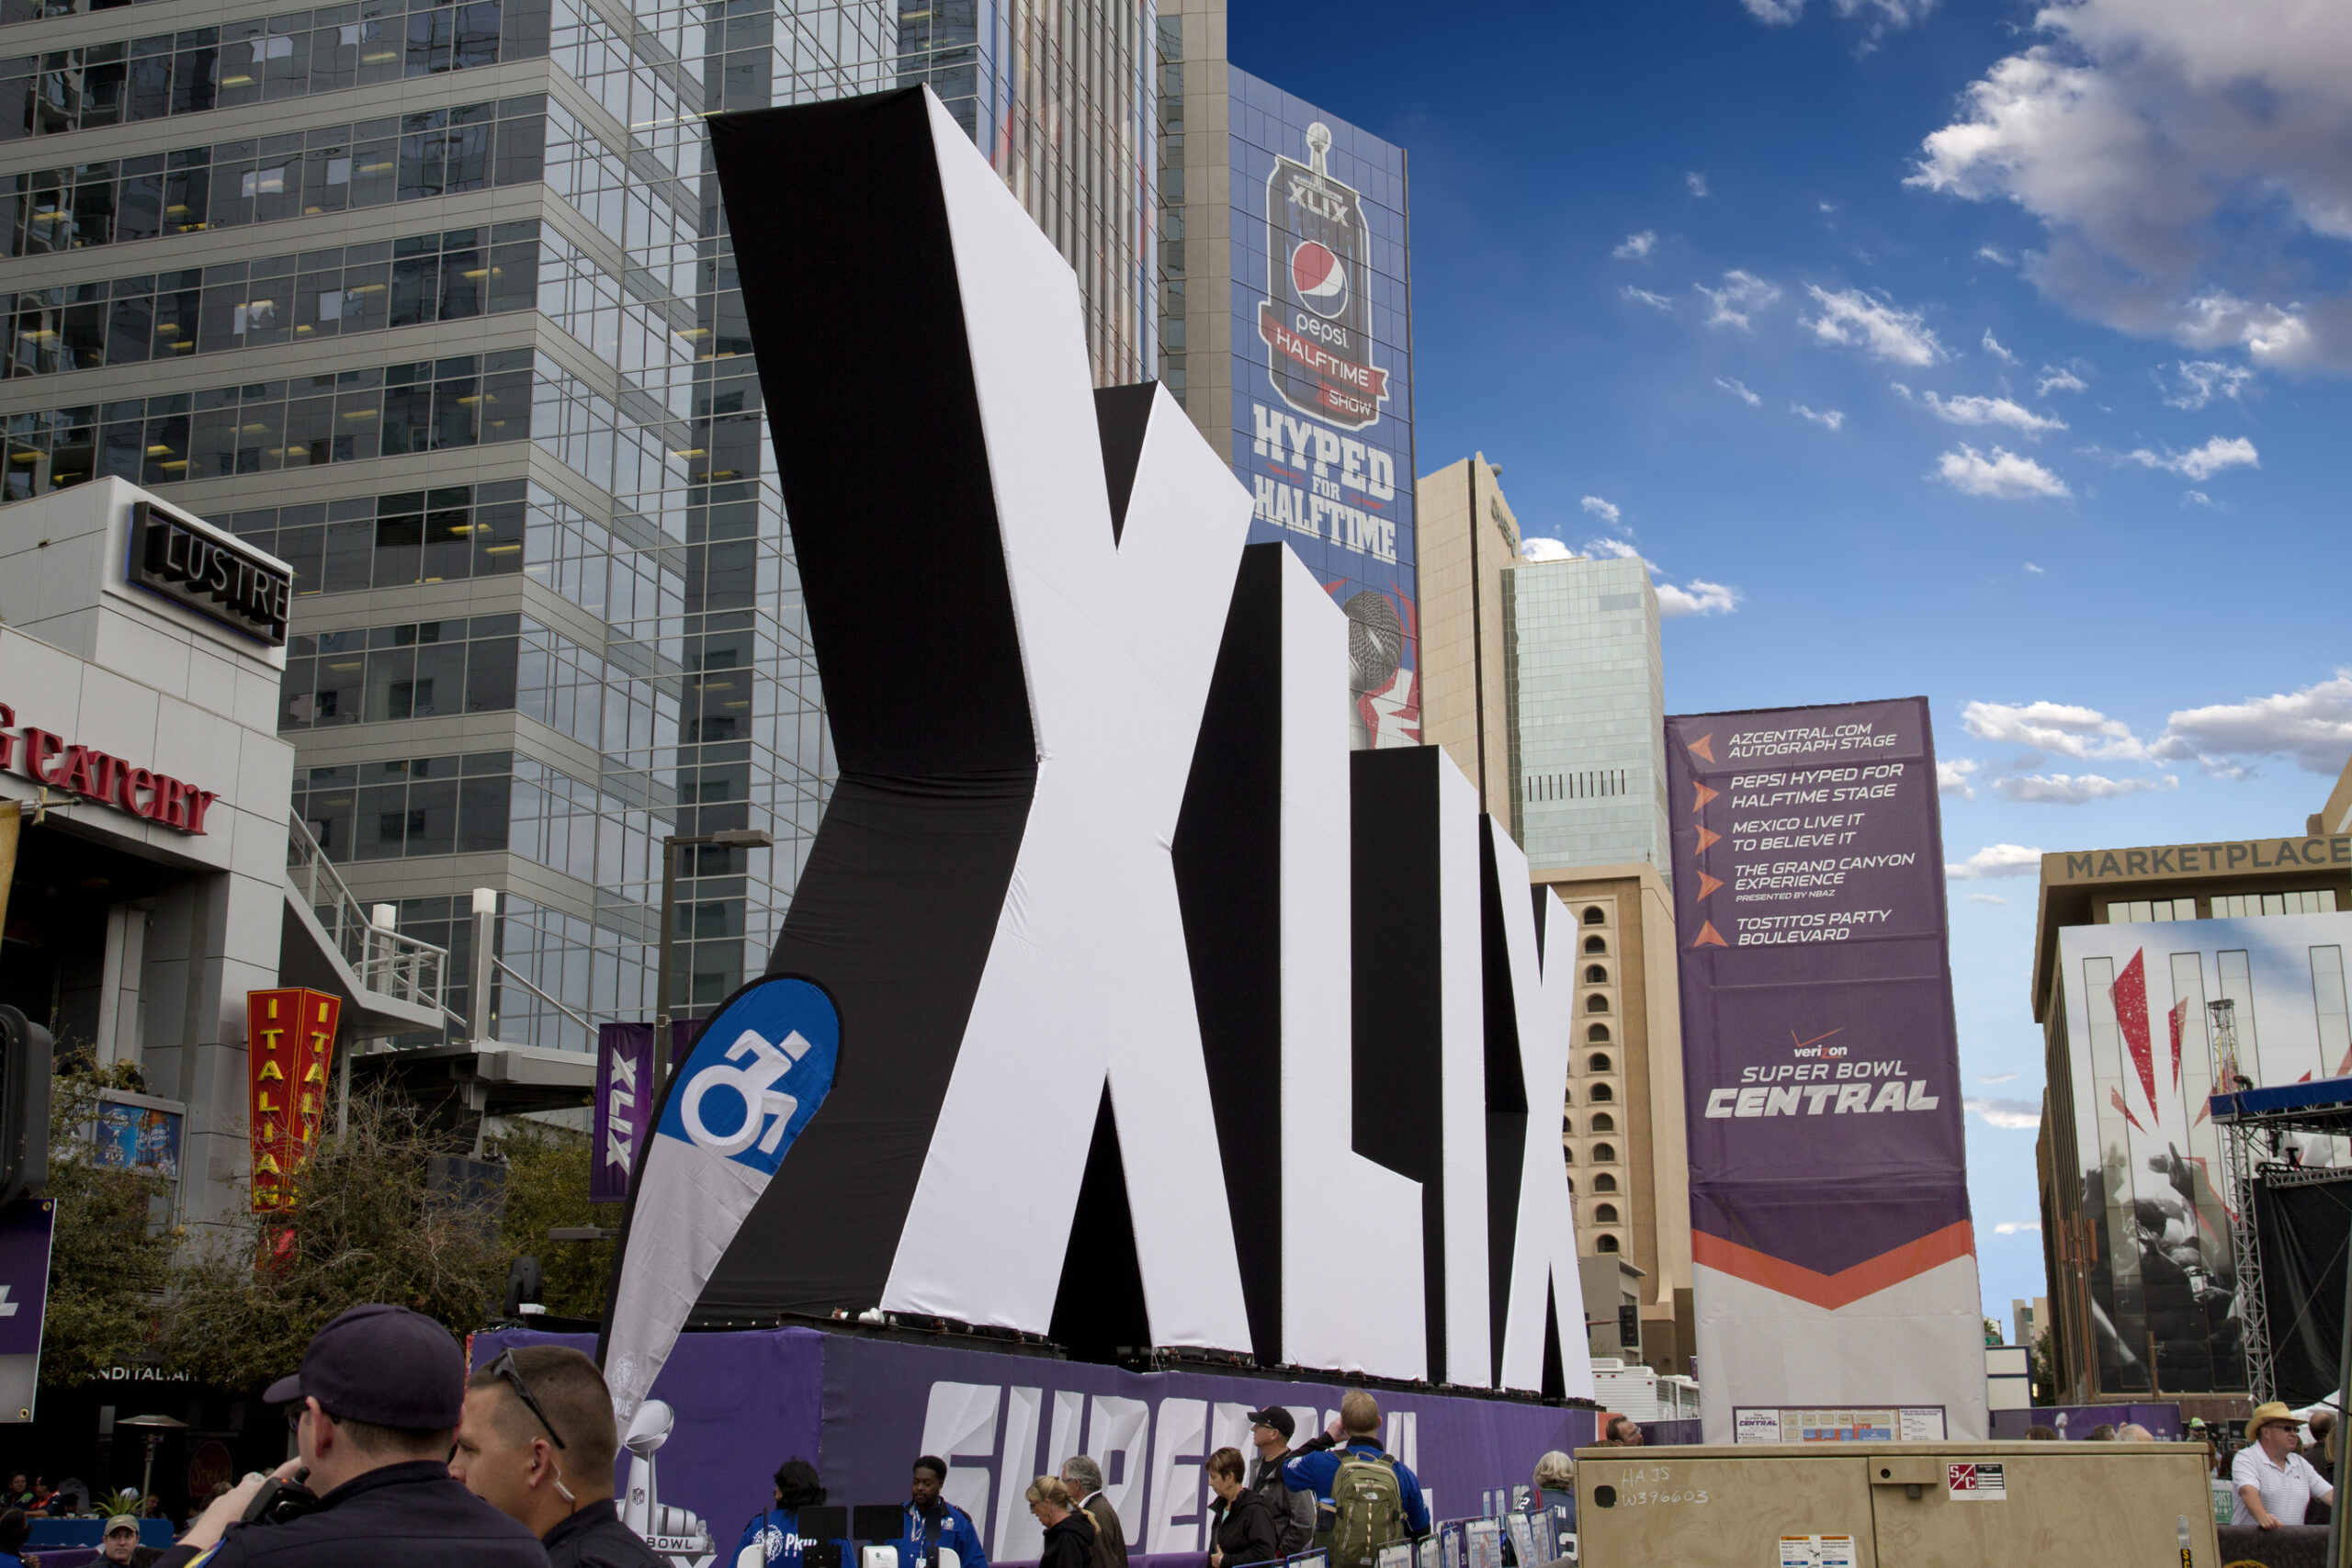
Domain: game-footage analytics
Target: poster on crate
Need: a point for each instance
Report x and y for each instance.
(289, 1055)
(1828, 1181)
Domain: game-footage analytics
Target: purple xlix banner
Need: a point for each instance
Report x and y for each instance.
(624, 1101)
(738, 1404)
(1820, 1062)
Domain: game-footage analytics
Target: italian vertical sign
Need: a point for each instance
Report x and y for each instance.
(290, 1051)
(1830, 1236)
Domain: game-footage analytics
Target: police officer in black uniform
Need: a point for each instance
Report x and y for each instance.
(381, 1390)
(539, 1443)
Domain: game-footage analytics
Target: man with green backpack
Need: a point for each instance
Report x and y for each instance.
(1364, 1498)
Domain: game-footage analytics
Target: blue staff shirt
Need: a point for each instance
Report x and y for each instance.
(779, 1533)
(953, 1529)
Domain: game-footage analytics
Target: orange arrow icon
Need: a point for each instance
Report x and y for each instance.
(1708, 884)
(1707, 835)
(1710, 937)
(1704, 748)
(1706, 794)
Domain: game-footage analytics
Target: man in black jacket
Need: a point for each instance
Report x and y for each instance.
(381, 1392)
(1271, 1430)
(537, 1443)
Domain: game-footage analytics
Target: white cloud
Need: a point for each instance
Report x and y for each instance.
(1830, 419)
(1951, 777)
(1992, 255)
(2012, 1115)
(1986, 898)
(1993, 346)
(2012, 1227)
(1538, 548)
(2004, 476)
(1701, 598)
(2063, 728)
(1613, 549)
(1995, 860)
(1644, 296)
(1738, 389)
(1741, 294)
(2196, 382)
(2200, 462)
(1998, 1077)
(2033, 569)
(1696, 183)
(2171, 151)
(1853, 319)
(1970, 409)
(2195, 498)
(1634, 247)
(2057, 379)
(2311, 728)
(2074, 789)
(1901, 390)
(1606, 511)
(1883, 14)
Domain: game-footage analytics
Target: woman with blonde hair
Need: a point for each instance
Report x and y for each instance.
(1556, 1483)
(1069, 1530)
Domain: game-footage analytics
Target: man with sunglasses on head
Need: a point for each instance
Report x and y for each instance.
(539, 1443)
(379, 1394)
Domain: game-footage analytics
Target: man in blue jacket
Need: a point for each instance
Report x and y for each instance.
(1317, 1463)
(932, 1522)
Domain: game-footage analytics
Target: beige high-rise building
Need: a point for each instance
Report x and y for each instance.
(1468, 538)
(1499, 636)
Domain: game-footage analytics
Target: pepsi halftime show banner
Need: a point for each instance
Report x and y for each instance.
(1322, 398)
(1828, 1182)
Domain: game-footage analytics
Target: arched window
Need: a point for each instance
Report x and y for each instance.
(1604, 1214)
(1604, 1182)
(1603, 1122)
(1569, 1096)
(1568, 1155)
(1595, 944)
(1595, 975)
(1596, 1003)
(1595, 916)
(1603, 1154)
(1572, 1184)
(1597, 1035)
(1600, 1063)
(1601, 1093)
(1606, 1244)
(1568, 1126)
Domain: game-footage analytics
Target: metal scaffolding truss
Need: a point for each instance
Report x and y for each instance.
(2253, 1123)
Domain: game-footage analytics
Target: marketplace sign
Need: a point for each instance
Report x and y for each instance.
(47, 758)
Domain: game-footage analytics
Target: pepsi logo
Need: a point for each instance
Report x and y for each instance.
(1320, 277)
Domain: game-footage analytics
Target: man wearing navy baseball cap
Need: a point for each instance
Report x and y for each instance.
(379, 1397)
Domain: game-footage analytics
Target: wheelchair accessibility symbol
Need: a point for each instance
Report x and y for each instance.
(767, 1109)
(758, 1074)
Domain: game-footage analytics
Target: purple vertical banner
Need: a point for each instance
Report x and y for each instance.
(624, 1100)
(26, 1229)
(1821, 1071)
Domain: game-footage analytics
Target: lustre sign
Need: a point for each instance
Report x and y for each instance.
(48, 759)
(205, 571)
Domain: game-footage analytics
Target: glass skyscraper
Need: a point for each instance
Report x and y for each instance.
(547, 610)
(1587, 692)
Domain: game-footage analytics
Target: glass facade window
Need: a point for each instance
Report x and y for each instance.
(336, 292)
(263, 59)
(407, 157)
(1585, 687)
(2230, 905)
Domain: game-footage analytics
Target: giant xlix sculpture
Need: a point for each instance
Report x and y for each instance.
(1165, 1019)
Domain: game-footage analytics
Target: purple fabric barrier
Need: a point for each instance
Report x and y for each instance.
(2075, 1421)
(1656, 1432)
(863, 1409)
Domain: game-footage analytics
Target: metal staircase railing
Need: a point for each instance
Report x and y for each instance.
(385, 963)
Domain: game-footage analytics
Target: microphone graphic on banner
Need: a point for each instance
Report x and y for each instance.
(759, 1071)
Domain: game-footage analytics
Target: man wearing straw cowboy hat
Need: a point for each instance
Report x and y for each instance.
(2275, 1485)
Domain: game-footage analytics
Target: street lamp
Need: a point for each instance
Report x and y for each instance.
(731, 838)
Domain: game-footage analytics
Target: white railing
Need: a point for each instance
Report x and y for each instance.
(390, 964)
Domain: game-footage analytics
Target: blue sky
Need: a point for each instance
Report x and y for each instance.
(1976, 350)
